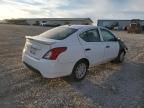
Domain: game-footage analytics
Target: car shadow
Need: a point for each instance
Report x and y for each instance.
(121, 89)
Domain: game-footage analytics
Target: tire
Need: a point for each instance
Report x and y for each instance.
(80, 70)
(121, 57)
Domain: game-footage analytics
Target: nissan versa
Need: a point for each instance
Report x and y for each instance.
(71, 50)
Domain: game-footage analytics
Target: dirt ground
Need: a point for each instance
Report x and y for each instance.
(106, 86)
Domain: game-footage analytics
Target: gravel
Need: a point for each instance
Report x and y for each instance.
(106, 86)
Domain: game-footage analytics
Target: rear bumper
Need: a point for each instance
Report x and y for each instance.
(48, 69)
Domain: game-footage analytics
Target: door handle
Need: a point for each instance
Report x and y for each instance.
(107, 46)
(87, 49)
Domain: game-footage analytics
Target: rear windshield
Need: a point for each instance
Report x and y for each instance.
(58, 33)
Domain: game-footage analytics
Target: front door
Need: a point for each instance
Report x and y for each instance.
(111, 49)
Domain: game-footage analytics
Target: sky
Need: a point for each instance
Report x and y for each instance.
(95, 9)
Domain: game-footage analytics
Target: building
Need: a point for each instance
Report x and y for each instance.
(121, 24)
(53, 21)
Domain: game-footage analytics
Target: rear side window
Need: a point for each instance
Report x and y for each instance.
(58, 33)
(91, 36)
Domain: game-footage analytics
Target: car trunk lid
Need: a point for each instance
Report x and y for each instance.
(36, 46)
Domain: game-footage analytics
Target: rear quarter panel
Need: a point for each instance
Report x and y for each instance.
(74, 50)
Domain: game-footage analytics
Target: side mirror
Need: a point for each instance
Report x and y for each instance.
(117, 39)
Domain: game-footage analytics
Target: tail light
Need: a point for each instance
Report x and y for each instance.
(54, 53)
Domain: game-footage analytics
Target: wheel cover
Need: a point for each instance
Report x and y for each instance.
(81, 70)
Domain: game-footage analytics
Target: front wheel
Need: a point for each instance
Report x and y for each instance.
(121, 57)
(80, 70)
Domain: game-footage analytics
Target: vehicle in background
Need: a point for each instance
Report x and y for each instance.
(113, 26)
(134, 26)
(71, 50)
(45, 24)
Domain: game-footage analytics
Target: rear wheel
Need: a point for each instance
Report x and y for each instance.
(80, 70)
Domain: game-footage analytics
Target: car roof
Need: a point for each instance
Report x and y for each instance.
(79, 26)
(84, 26)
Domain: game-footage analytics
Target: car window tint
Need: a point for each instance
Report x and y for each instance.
(58, 33)
(91, 36)
(107, 36)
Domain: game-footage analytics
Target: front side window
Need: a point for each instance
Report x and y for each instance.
(58, 33)
(107, 36)
(91, 36)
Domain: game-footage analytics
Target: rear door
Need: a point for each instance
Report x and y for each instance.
(93, 48)
(111, 46)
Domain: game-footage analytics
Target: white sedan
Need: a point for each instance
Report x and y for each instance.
(71, 50)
